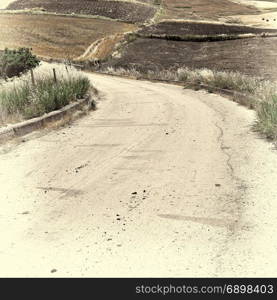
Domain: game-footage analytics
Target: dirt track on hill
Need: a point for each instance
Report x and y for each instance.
(159, 181)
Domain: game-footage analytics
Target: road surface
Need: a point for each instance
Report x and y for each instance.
(159, 181)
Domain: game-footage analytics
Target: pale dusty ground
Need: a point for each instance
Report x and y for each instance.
(260, 20)
(5, 3)
(266, 19)
(206, 190)
(259, 4)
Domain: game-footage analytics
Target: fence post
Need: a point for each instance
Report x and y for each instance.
(55, 75)
(32, 77)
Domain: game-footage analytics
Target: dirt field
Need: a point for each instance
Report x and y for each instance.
(204, 9)
(196, 28)
(254, 56)
(54, 36)
(128, 12)
(267, 18)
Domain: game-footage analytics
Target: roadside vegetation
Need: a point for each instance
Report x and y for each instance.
(23, 98)
(253, 92)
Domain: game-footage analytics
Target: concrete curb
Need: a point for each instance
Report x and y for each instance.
(26, 127)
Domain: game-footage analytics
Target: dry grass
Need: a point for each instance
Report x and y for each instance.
(55, 36)
(20, 99)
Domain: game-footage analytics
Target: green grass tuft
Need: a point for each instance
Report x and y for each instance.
(29, 101)
(267, 118)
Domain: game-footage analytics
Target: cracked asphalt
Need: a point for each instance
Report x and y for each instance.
(158, 181)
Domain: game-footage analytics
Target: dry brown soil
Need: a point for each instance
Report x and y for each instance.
(254, 56)
(55, 36)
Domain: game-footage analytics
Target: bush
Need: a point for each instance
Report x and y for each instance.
(15, 62)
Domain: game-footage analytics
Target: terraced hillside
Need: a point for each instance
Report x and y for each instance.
(132, 12)
(140, 11)
(251, 56)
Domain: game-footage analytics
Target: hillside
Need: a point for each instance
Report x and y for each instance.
(171, 33)
(57, 37)
(121, 10)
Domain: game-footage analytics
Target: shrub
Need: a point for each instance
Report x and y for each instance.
(15, 62)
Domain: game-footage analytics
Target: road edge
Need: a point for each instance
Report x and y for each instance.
(26, 127)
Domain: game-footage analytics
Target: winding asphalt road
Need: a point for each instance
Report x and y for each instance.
(158, 181)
